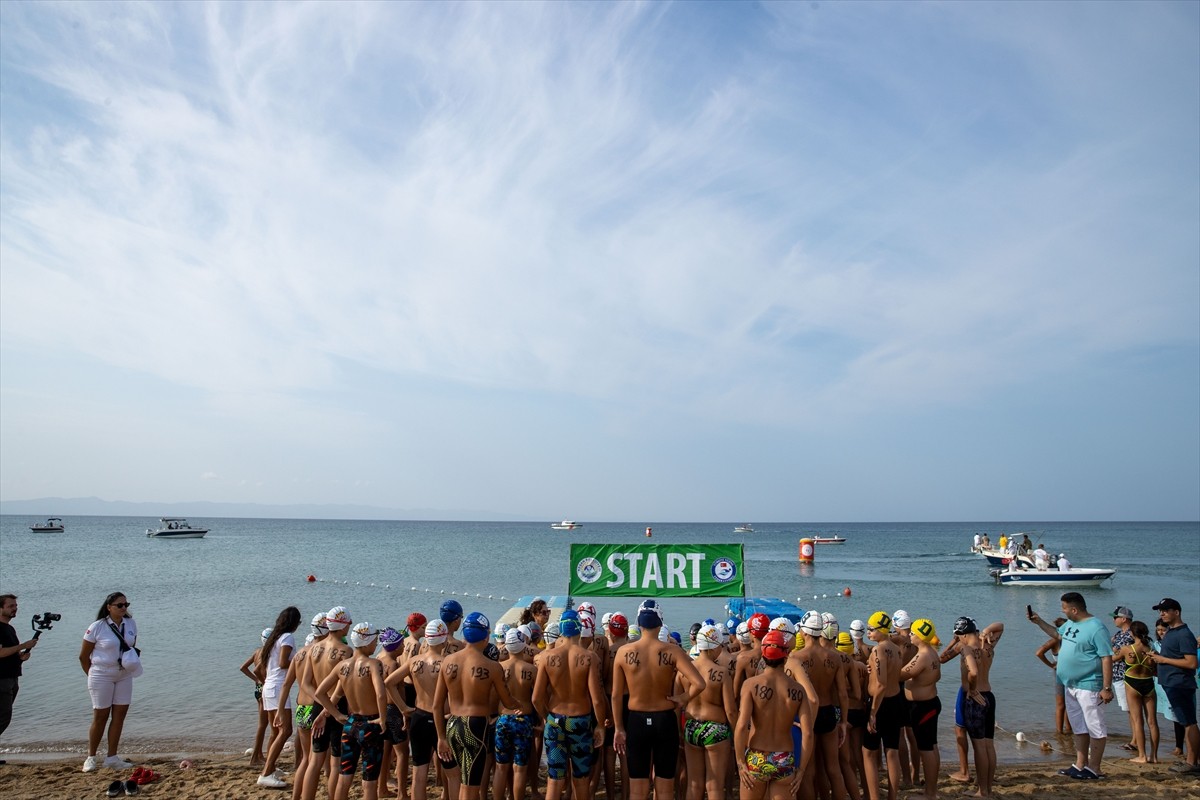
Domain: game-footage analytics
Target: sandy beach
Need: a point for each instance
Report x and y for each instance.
(217, 776)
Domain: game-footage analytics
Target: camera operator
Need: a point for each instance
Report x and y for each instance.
(12, 652)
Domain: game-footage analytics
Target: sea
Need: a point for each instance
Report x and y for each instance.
(201, 604)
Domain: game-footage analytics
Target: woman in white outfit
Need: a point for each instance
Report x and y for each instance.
(109, 658)
(273, 661)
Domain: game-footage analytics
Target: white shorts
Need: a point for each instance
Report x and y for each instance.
(1119, 693)
(270, 698)
(107, 691)
(1085, 710)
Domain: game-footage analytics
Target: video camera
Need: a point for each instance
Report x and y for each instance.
(44, 622)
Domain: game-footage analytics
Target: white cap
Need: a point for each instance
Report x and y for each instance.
(901, 619)
(708, 638)
(811, 623)
(782, 624)
(743, 633)
(857, 629)
(436, 632)
(514, 640)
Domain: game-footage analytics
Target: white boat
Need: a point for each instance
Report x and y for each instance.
(176, 528)
(1075, 576)
(51, 525)
(821, 539)
(566, 525)
(744, 528)
(1001, 558)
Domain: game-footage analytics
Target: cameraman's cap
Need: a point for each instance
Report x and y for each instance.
(1122, 611)
(1167, 604)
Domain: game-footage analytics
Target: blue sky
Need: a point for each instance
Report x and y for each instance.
(799, 261)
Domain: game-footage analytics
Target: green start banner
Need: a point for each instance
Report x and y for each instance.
(657, 570)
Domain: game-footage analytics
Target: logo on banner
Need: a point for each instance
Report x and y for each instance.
(724, 570)
(588, 569)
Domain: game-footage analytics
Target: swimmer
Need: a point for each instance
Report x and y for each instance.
(883, 720)
(768, 706)
(831, 698)
(517, 725)
(920, 677)
(708, 729)
(327, 655)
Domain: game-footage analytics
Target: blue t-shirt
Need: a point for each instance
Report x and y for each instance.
(1177, 643)
(1084, 643)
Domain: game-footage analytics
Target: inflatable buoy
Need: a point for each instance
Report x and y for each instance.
(846, 592)
(647, 532)
(312, 578)
(807, 553)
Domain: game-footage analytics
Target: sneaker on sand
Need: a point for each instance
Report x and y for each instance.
(1070, 772)
(271, 782)
(1184, 768)
(118, 763)
(90, 764)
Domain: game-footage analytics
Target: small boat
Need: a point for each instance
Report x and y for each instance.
(1001, 558)
(176, 528)
(1075, 576)
(744, 528)
(822, 539)
(566, 525)
(51, 525)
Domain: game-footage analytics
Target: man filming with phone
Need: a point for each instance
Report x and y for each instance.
(12, 653)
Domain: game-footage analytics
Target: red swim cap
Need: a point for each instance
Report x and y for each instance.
(759, 624)
(774, 646)
(416, 622)
(618, 625)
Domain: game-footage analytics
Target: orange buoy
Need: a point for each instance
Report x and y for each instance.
(807, 551)
(846, 592)
(312, 578)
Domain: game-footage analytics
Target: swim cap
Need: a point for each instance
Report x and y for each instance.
(831, 630)
(710, 621)
(708, 638)
(732, 623)
(810, 623)
(857, 628)
(363, 634)
(650, 614)
(514, 640)
(266, 634)
(965, 625)
(552, 632)
(774, 645)
(390, 638)
(607, 618)
(586, 608)
(900, 620)
(798, 643)
(760, 625)
(569, 613)
(492, 652)
(475, 627)
(309, 639)
(568, 627)
(880, 621)
(535, 631)
(450, 611)
(587, 626)
(695, 629)
(337, 618)
(319, 628)
(436, 632)
(618, 625)
(923, 629)
(845, 644)
(724, 634)
(501, 629)
(676, 638)
(416, 622)
(743, 633)
(635, 633)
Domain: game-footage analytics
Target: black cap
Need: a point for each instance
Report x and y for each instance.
(1167, 604)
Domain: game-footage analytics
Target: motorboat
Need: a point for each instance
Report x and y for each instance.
(51, 525)
(1075, 576)
(744, 528)
(566, 525)
(819, 538)
(176, 528)
(1002, 558)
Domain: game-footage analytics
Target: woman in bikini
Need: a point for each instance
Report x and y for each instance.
(1139, 691)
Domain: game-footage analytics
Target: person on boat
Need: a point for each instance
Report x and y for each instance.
(360, 682)
(645, 706)
(1141, 696)
(769, 704)
(978, 543)
(1050, 647)
(920, 677)
(327, 653)
(1026, 543)
(1063, 564)
(987, 542)
(1041, 558)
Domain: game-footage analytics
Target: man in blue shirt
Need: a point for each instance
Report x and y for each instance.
(1177, 676)
(1085, 670)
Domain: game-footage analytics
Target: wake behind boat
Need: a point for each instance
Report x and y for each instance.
(51, 525)
(176, 528)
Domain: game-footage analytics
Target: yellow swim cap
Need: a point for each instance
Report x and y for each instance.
(880, 621)
(844, 643)
(799, 643)
(923, 629)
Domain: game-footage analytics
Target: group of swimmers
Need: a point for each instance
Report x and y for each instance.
(764, 707)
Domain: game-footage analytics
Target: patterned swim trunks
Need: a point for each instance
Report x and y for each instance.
(306, 716)
(770, 766)
(703, 733)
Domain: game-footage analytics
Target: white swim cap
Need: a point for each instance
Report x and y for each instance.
(266, 634)
(708, 638)
(830, 628)
(635, 633)
(664, 634)
(514, 640)
(811, 623)
(502, 629)
(901, 619)
(309, 639)
(783, 624)
(338, 618)
(743, 633)
(363, 634)
(605, 620)
(319, 628)
(552, 633)
(857, 629)
(721, 632)
(436, 632)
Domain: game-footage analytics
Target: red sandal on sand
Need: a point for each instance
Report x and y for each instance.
(142, 776)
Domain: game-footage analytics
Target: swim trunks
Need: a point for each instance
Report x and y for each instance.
(887, 725)
(1143, 687)
(397, 733)
(468, 737)
(704, 733)
(306, 716)
(773, 766)
(857, 717)
(258, 692)
(923, 719)
(422, 739)
(362, 739)
(980, 720)
(652, 737)
(568, 740)
(826, 721)
(514, 739)
(959, 720)
(331, 738)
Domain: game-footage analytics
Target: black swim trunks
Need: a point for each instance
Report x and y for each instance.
(980, 720)
(331, 738)
(652, 737)
(422, 739)
(468, 742)
(826, 721)
(923, 718)
(397, 734)
(887, 724)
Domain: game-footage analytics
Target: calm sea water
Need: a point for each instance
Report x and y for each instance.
(201, 604)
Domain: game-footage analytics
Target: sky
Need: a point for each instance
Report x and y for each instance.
(614, 261)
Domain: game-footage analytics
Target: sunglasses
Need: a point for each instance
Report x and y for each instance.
(122, 605)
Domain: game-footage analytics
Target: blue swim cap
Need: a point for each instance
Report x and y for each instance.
(710, 621)
(732, 624)
(568, 627)
(570, 614)
(650, 615)
(476, 627)
(675, 635)
(450, 611)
